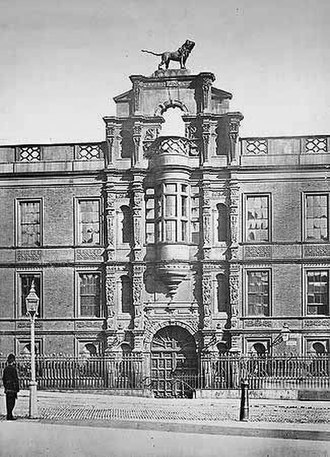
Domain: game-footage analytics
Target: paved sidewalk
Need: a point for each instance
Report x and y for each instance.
(268, 418)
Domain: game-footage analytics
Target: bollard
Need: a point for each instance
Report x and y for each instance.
(244, 410)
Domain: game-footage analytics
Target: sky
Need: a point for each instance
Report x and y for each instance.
(62, 61)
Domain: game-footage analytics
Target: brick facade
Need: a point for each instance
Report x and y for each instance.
(141, 232)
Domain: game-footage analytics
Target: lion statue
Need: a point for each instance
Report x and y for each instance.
(181, 55)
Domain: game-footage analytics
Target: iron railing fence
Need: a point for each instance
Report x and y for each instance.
(82, 373)
(266, 372)
(225, 372)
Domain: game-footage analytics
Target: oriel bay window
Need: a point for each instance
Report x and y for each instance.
(258, 293)
(318, 292)
(171, 213)
(29, 223)
(257, 218)
(89, 294)
(317, 217)
(89, 221)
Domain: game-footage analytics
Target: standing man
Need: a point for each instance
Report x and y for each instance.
(11, 385)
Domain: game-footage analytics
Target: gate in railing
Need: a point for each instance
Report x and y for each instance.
(126, 372)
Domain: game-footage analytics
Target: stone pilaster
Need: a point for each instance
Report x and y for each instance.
(234, 216)
(234, 272)
(110, 288)
(112, 136)
(137, 197)
(207, 286)
(206, 219)
(110, 221)
(138, 271)
(206, 80)
(206, 134)
(137, 153)
(234, 123)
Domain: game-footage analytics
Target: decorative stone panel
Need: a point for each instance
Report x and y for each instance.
(258, 251)
(28, 255)
(317, 251)
(89, 254)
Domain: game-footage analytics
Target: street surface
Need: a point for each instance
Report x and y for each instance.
(28, 438)
(71, 406)
(98, 424)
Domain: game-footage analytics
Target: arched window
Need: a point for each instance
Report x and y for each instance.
(88, 349)
(222, 348)
(319, 348)
(259, 349)
(126, 224)
(126, 295)
(173, 125)
(222, 222)
(222, 293)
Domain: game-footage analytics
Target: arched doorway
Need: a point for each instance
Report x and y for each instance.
(174, 362)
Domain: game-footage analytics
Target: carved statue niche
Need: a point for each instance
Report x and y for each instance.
(181, 55)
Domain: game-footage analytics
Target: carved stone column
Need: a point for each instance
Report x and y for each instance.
(137, 133)
(137, 297)
(137, 191)
(137, 85)
(206, 219)
(234, 123)
(213, 139)
(234, 210)
(207, 299)
(110, 221)
(111, 312)
(234, 282)
(206, 133)
(206, 84)
(112, 136)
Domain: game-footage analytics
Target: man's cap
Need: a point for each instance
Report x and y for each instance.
(11, 358)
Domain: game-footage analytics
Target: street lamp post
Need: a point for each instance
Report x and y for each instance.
(32, 304)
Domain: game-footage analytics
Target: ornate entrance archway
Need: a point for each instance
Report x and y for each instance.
(174, 362)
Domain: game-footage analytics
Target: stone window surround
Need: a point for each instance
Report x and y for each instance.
(19, 274)
(18, 203)
(270, 291)
(78, 235)
(246, 196)
(78, 273)
(306, 269)
(305, 195)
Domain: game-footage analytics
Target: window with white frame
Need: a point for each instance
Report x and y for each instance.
(171, 213)
(25, 282)
(318, 346)
(317, 292)
(257, 218)
(89, 221)
(24, 347)
(317, 217)
(29, 223)
(89, 294)
(258, 293)
(195, 227)
(150, 215)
